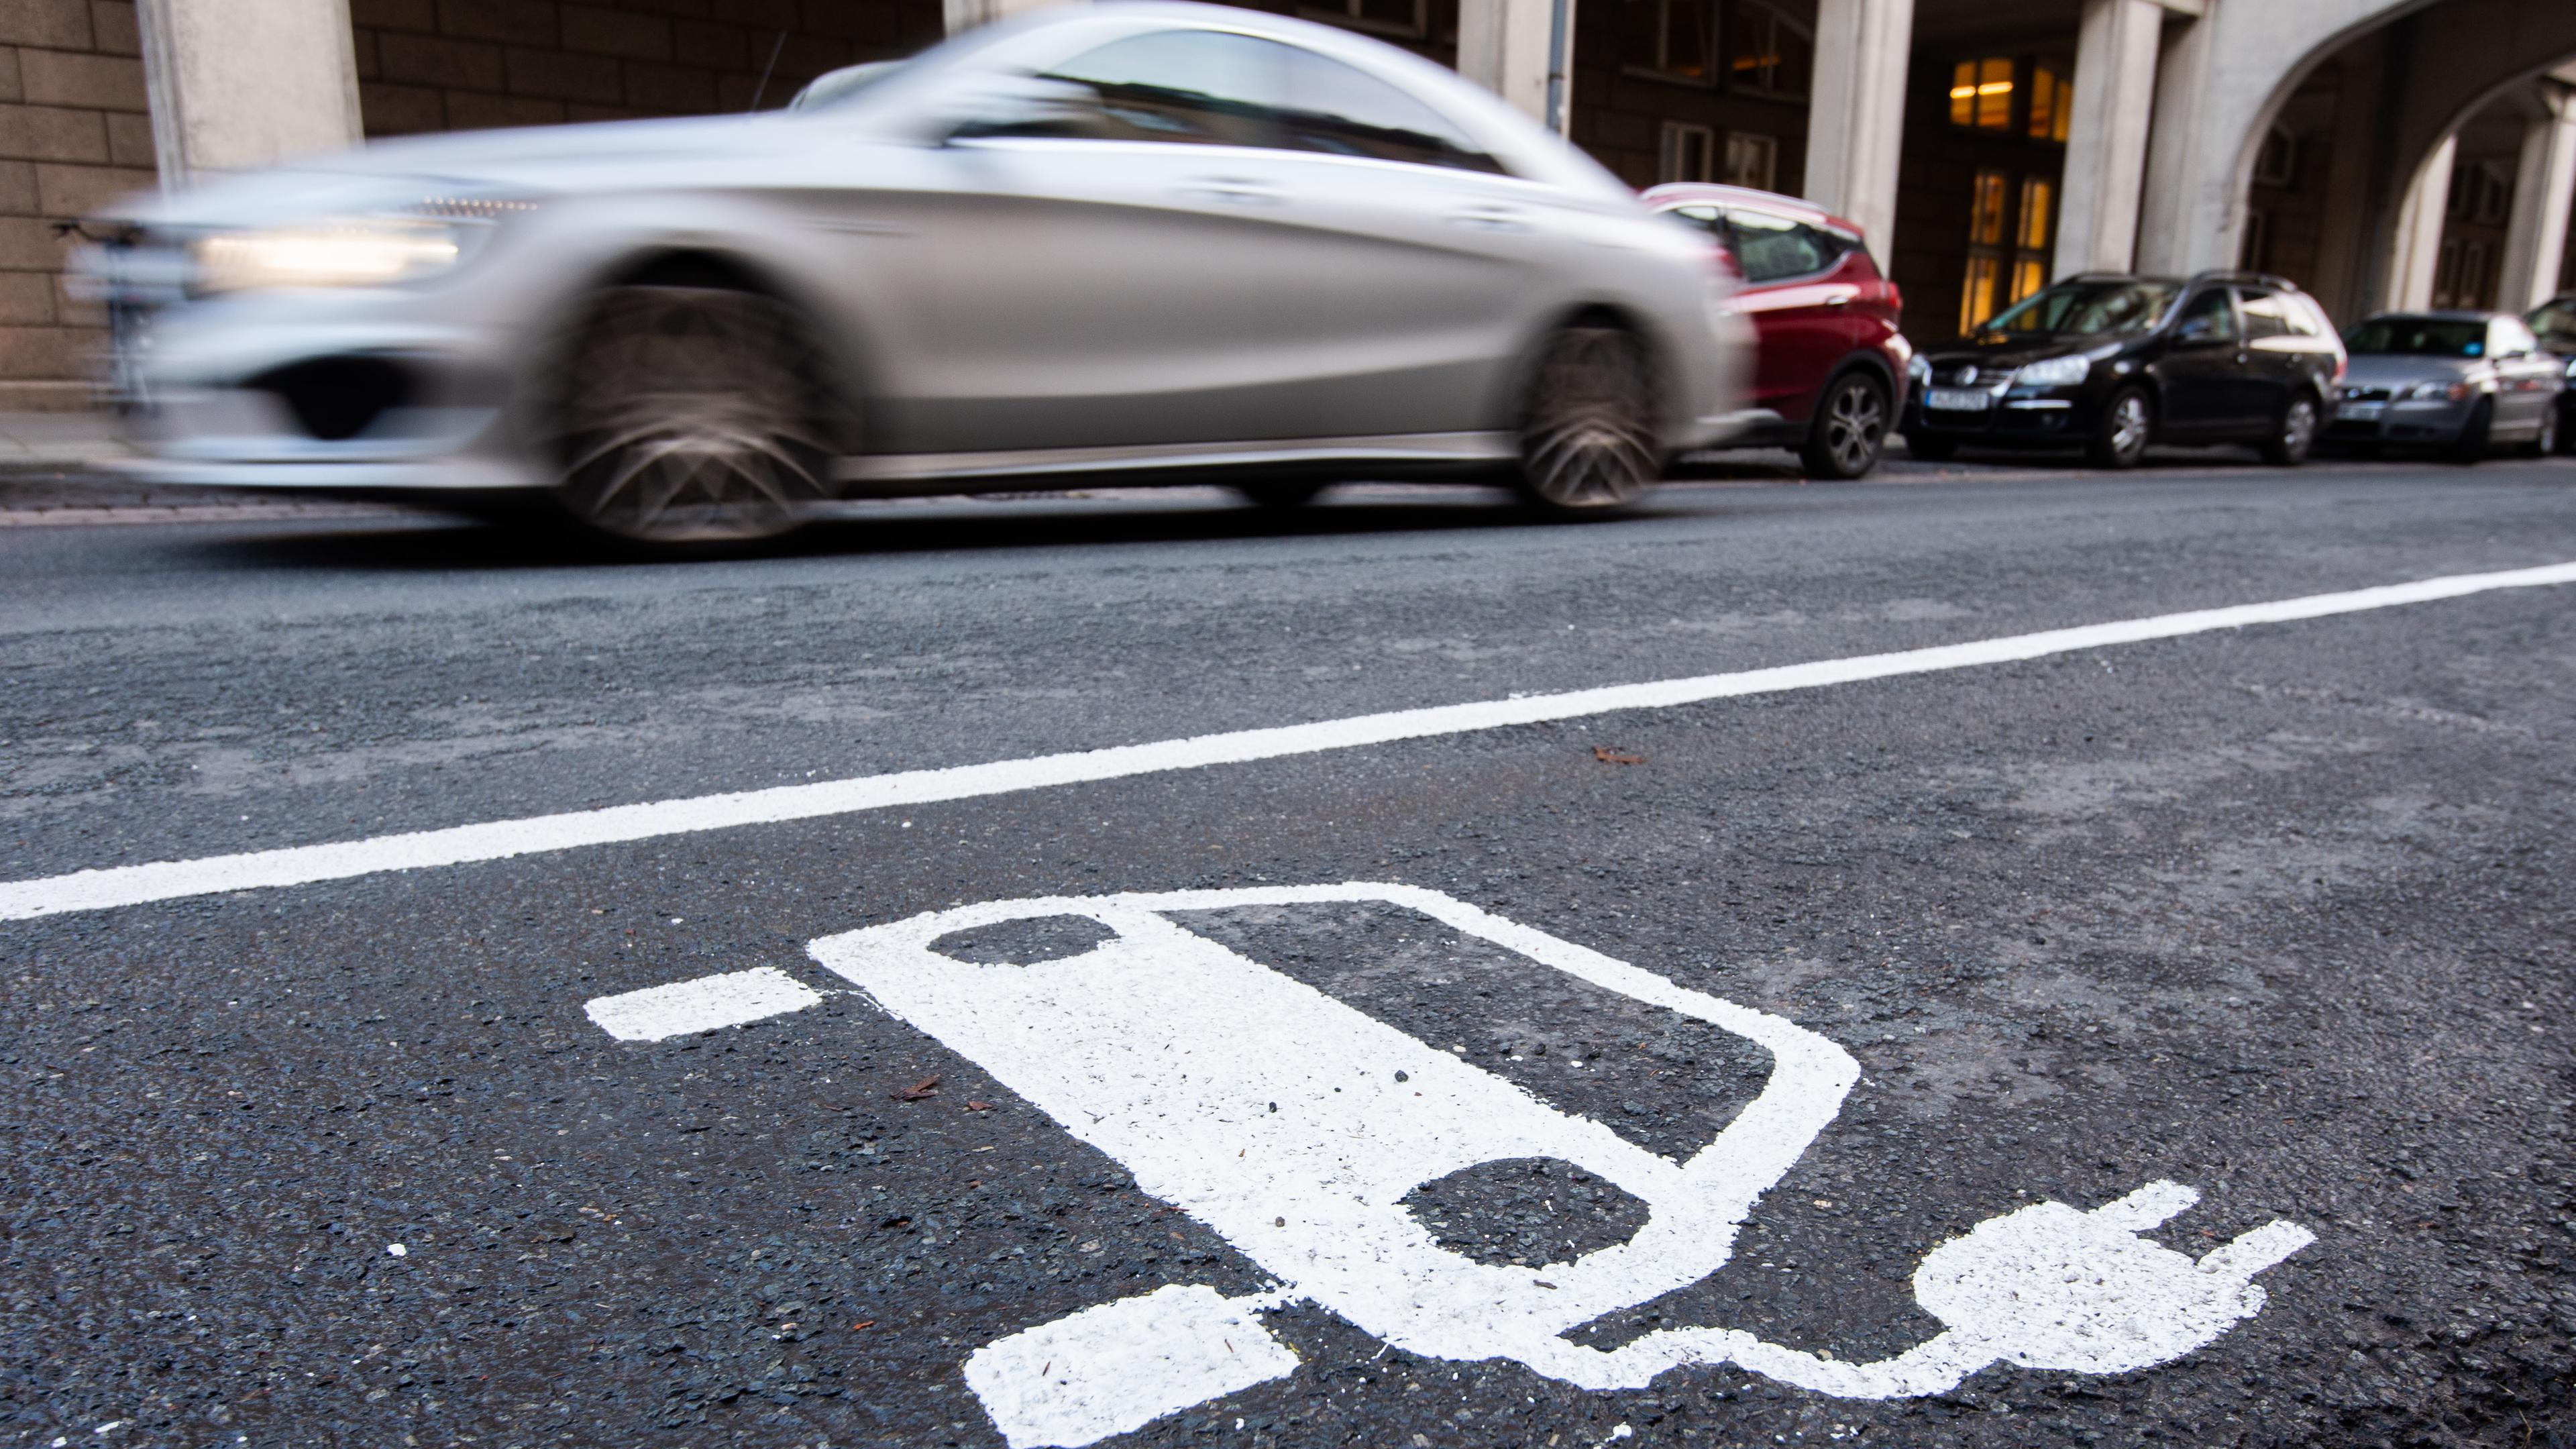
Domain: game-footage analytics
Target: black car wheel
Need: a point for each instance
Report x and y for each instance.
(1588, 439)
(1850, 428)
(2293, 435)
(1929, 449)
(2546, 441)
(2476, 438)
(2120, 434)
(690, 420)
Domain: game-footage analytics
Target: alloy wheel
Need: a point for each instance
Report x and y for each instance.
(2129, 425)
(689, 416)
(1856, 427)
(1588, 438)
(2297, 434)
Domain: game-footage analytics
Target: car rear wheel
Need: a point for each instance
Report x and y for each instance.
(2546, 441)
(1850, 429)
(691, 419)
(1588, 440)
(2293, 435)
(2120, 435)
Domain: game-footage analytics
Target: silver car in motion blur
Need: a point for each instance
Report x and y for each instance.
(1160, 241)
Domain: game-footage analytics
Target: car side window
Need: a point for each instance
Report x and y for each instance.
(2267, 314)
(2556, 322)
(1771, 248)
(1343, 111)
(1179, 87)
(2215, 307)
(2507, 336)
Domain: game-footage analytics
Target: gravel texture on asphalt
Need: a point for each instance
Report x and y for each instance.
(2280, 914)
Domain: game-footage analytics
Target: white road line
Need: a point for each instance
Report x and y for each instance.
(735, 998)
(127, 885)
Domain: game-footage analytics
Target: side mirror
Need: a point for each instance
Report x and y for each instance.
(1015, 105)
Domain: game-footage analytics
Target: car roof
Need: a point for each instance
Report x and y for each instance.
(1684, 193)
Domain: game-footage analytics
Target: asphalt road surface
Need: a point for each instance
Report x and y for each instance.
(1879, 966)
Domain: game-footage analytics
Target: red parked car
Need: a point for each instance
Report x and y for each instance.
(1830, 380)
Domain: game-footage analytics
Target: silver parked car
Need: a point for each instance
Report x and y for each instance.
(1160, 241)
(2461, 381)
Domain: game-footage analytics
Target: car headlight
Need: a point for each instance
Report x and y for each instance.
(2444, 391)
(336, 252)
(1920, 371)
(2571, 369)
(2055, 372)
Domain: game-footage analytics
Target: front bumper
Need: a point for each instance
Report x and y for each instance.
(2009, 418)
(2431, 420)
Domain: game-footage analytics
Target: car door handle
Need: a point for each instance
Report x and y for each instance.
(1233, 190)
(1489, 218)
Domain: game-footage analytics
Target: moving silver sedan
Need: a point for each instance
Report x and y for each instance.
(1158, 241)
(2461, 381)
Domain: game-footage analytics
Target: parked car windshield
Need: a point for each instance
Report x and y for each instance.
(2417, 337)
(2556, 323)
(2089, 309)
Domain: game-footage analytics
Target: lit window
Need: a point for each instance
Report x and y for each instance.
(1686, 151)
(2052, 101)
(1977, 303)
(2036, 194)
(1986, 210)
(1770, 52)
(1981, 93)
(1752, 161)
(1675, 39)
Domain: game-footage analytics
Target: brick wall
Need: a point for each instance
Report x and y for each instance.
(74, 130)
(459, 65)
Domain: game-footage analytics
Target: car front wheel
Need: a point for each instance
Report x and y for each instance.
(2293, 435)
(2120, 435)
(1850, 429)
(691, 419)
(1588, 440)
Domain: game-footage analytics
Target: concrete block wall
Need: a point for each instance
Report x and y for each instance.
(460, 65)
(74, 130)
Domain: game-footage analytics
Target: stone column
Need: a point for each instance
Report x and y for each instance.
(2544, 191)
(2179, 156)
(1856, 121)
(2106, 140)
(2419, 233)
(1523, 51)
(240, 84)
(967, 14)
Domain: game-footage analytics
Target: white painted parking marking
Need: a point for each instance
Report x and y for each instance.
(1122, 1365)
(127, 885)
(736, 998)
(1294, 1126)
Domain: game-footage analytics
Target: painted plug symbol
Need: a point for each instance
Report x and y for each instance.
(2052, 1287)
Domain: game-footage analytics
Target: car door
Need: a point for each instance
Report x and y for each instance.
(2203, 374)
(1420, 269)
(1801, 301)
(2526, 377)
(1105, 273)
(2276, 366)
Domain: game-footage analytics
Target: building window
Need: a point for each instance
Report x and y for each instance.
(2464, 273)
(1981, 93)
(2277, 164)
(1685, 152)
(1985, 250)
(1410, 18)
(1769, 52)
(2052, 101)
(1673, 39)
(2030, 256)
(1752, 161)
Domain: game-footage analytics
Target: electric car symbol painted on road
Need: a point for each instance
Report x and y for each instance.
(1294, 1126)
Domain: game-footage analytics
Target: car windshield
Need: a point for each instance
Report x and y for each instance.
(2556, 323)
(2417, 337)
(2089, 309)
